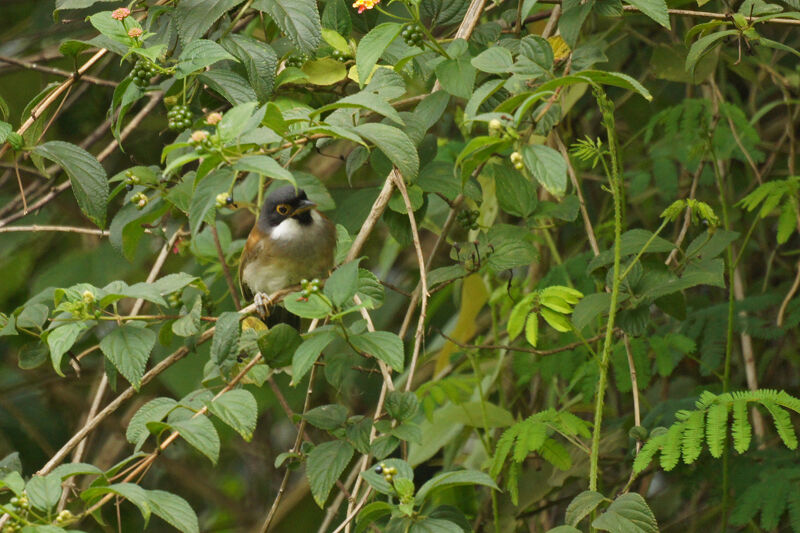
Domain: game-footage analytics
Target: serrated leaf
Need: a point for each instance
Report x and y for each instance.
(238, 409)
(382, 345)
(60, 340)
(453, 479)
(324, 465)
(153, 411)
(44, 491)
(581, 505)
(308, 352)
(372, 46)
(225, 342)
(201, 434)
(298, 19)
(174, 510)
(128, 348)
(193, 18)
(628, 513)
(87, 177)
(198, 55)
(341, 286)
(395, 144)
(655, 9)
(547, 166)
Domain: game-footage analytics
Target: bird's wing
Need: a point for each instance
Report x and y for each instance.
(249, 252)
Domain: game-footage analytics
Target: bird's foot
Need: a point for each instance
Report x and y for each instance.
(263, 302)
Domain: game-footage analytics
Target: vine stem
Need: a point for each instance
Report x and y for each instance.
(607, 110)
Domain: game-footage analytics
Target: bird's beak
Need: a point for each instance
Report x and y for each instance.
(305, 205)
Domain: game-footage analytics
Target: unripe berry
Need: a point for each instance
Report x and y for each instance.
(222, 199)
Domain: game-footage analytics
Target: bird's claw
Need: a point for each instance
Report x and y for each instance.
(263, 302)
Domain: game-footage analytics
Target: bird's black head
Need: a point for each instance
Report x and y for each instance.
(284, 203)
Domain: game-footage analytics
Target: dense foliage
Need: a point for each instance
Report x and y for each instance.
(567, 266)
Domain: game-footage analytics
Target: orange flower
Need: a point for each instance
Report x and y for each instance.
(121, 13)
(133, 33)
(365, 4)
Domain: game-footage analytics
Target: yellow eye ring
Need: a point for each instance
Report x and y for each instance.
(282, 209)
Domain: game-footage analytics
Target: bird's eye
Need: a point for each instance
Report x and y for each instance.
(282, 209)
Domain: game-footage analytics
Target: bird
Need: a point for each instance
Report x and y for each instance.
(290, 241)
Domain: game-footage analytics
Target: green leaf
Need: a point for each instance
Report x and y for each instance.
(153, 411)
(547, 166)
(572, 19)
(457, 76)
(259, 60)
(308, 352)
(44, 491)
(299, 19)
(231, 85)
(453, 479)
(327, 417)
(130, 491)
(655, 9)
(174, 510)
(33, 316)
(382, 345)
(700, 46)
(324, 465)
(314, 307)
(278, 345)
(60, 340)
(264, 165)
(128, 348)
(5, 129)
(87, 177)
(395, 144)
(114, 29)
(201, 434)
(198, 55)
(189, 324)
(225, 343)
(495, 59)
(481, 415)
(633, 241)
(238, 409)
(325, 71)
(336, 16)
(532, 329)
(401, 405)
(515, 193)
(341, 286)
(580, 506)
(371, 513)
(365, 100)
(629, 513)
(372, 46)
(203, 206)
(194, 18)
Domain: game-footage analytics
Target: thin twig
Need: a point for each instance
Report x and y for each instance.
(637, 417)
(687, 216)
(66, 229)
(587, 222)
(226, 271)
(423, 279)
(789, 296)
(55, 71)
(552, 351)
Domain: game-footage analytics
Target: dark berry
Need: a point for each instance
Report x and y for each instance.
(129, 187)
(379, 469)
(229, 200)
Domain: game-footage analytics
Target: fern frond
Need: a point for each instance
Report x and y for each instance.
(555, 454)
(787, 400)
(793, 501)
(775, 505)
(783, 423)
(572, 425)
(693, 433)
(671, 451)
(648, 451)
(716, 428)
(748, 504)
(530, 438)
(512, 484)
(740, 429)
(502, 449)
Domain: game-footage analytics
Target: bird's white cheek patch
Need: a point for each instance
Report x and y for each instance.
(289, 230)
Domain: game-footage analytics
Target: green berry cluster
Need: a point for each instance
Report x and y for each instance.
(468, 218)
(297, 60)
(340, 56)
(131, 179)
(413, 35)
(19, 506)
(143, 71)
(388, 472)
(140, 200)
(179, 118)
(309, 288)
(516, 160)
(224, 199)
